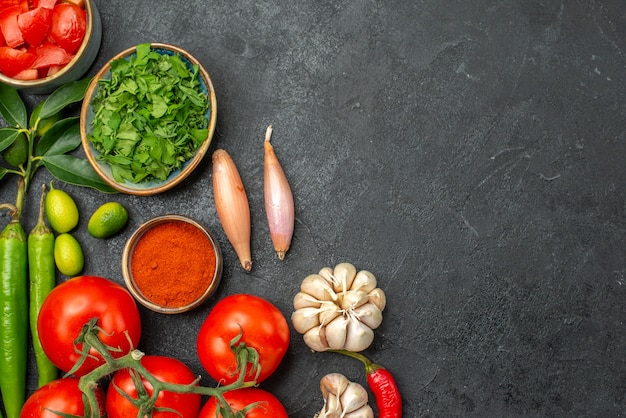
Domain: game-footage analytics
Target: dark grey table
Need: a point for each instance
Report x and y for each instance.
(472, 155)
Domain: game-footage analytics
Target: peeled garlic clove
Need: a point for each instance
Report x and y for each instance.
(354, 397)
(278, 199)
(344, 274)
(364, 281)
(304, 319)
(363, 412)
(358, 336)
(369, 314)
(353, 299)
(333, 383)
(316, 286)
(231, 205)
(305, 300)
(327, 312)
(336, 332)
(377, 297)
(315, 339)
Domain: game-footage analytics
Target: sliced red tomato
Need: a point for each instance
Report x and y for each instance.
(34, 25)
(48, 4)
(50, 54)
(28, 74)
(9, 26)
(14, 61)
(266, 405)
(2, 41)
(69, 24)
(9, 3)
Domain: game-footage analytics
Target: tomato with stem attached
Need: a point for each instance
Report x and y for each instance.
(254, 402)
(61, 396)
(260, 325)
(76, 302)
(168, 404)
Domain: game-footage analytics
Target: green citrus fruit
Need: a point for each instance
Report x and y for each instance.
(107, 220)
(61, 210)
(44, 125)
(17, 153)
(68, 255)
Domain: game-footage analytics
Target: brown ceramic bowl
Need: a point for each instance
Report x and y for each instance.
(154, 186)
(153, 277)
(76, 68)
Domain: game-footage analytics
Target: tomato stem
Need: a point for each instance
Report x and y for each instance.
(132, 361)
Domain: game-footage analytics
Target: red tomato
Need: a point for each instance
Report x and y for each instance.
(14, 61)
(69, 23)
(71, 304)
(34, 25)
(28, 74)
(238, 399)
(165, 369)
(48, 4)
(9, 26)
(50, 54)
(262, 325)
(8, 3)
(61, 395)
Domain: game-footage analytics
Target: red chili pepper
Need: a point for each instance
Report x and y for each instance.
(382, 384)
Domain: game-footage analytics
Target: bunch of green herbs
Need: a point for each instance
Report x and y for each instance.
(150, 116)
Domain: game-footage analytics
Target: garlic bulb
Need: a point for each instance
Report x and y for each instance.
(343, 398)
(338, 309)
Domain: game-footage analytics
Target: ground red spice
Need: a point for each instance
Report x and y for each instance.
(173, 263)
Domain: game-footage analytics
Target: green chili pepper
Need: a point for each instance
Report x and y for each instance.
(42, 274)
(13, 315)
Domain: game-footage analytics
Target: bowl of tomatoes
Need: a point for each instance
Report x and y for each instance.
(47, 43)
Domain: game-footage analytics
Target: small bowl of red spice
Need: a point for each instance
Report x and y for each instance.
(172, 264)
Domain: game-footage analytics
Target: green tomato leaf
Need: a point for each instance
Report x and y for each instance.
(62, 137)
(7, 137)
(12, 107)
(65, 95)
(76, 171)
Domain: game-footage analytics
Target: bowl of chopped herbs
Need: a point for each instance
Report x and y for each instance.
(148, 118)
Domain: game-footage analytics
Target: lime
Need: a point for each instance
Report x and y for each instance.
(61, 210)
(107, 220)
(68, 255)
(17, 153)
(43, 125)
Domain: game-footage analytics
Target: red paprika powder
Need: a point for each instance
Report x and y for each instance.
(173, 263)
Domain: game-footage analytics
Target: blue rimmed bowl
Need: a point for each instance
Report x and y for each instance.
(102, 168)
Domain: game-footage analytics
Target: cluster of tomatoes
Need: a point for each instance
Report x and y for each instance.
(72, 304)
(39, 37)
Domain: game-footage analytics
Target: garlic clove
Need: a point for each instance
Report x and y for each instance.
(315, 339)
(354, 397)
(344, 274)
(364, 281)
(358, 336)
(353, 299)
(378, 298)
(336, 332)
(304, 319)
(305, 300)
(369, 314)
(363, 412)
(316, 286)
(333, 383)
(327, 273)
(327, 312)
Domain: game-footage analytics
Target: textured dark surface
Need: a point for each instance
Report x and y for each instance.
(472, 155)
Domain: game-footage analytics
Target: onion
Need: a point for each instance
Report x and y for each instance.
(231, 204)
(278, 199)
